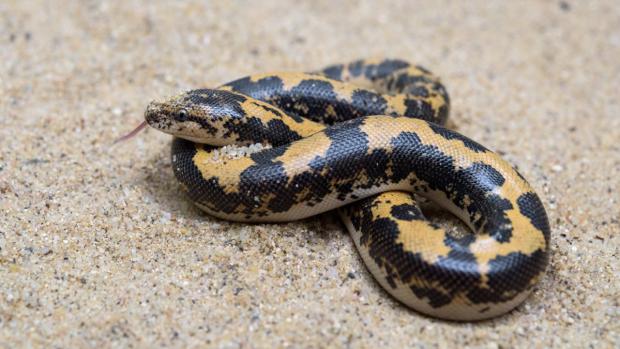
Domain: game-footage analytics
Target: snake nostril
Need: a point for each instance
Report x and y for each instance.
(152, 112)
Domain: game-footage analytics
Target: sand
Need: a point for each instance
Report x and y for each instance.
(100, 248)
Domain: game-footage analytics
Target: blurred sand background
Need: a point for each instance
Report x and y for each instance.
(99, 248)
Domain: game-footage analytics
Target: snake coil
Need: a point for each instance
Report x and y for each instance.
(365, 137)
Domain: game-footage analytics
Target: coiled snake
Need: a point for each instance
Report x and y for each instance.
(364, 137)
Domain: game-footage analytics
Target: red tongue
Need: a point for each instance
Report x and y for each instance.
(132, 133)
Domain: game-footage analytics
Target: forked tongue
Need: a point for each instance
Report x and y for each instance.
(135, 131)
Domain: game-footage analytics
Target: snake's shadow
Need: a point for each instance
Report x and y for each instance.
(161, 187)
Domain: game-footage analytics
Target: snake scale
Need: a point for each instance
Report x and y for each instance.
(366, 138)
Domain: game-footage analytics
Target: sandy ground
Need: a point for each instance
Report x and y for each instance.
(99, 248)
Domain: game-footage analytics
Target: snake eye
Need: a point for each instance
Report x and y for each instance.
(181, 115)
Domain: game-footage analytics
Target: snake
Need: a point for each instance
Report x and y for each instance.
(368, 139)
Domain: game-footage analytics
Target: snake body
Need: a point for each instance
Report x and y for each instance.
(365, 137)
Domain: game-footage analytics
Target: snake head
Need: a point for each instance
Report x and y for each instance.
(203, 116)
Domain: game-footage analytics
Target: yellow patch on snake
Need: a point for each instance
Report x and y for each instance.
(254, 108)
(396, 104)
(344, 92)
(376, 128)
(436, 101)
(415, 71)
(304, 128)
(297, 157)
(227, 171)
(525, 239)
(330, 111)
(416, 236)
